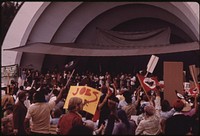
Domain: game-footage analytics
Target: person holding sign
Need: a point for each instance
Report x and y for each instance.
(72, 118)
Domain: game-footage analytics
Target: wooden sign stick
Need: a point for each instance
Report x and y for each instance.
(32, 83)
(69, 78)
(8, 78)
(145, 91)
(192, 72)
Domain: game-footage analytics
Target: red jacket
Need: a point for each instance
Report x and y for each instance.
(67, 121)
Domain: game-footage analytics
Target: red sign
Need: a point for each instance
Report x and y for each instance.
(194, 91)
(148, 83)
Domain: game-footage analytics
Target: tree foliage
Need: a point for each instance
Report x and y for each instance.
(8, 11)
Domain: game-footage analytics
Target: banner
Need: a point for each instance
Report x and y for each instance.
(148, 83)
(90, 97)
(194, 90)
(10, 70)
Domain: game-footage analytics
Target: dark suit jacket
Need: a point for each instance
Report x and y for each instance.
(178, 125)
(19, 114)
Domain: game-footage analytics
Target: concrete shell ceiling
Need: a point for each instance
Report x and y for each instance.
(76, 22)
(63, 22)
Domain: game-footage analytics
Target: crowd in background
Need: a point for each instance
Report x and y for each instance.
(35, 102)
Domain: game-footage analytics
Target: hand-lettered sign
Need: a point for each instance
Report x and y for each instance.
(90, 97)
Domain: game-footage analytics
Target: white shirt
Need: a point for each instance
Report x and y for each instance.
(40, 115)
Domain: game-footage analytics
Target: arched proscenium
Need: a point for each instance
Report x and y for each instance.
(46, 21)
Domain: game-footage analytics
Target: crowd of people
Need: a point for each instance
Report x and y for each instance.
(35, 102)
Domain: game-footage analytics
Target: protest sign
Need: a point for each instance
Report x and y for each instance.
(148, 83)
(194, 90)
(152, 63)
(9, 71)
(90, 97)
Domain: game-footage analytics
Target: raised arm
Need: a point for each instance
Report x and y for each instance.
(59, 97)
(137, 96)
(104, 101)
(115, 89)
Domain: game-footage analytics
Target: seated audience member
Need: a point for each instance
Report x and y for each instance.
(55, 116)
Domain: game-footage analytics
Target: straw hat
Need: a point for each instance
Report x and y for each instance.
(182, 105)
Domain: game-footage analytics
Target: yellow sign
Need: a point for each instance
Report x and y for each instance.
(90, 97)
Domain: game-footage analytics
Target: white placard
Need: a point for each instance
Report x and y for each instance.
(152, 63)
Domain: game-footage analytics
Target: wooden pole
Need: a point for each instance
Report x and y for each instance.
(8, 79)
(145, 90)
(192, 72)
(69, 78)
(32, 83)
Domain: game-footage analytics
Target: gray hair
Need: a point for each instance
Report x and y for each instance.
(150, 110)
(73, 102)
